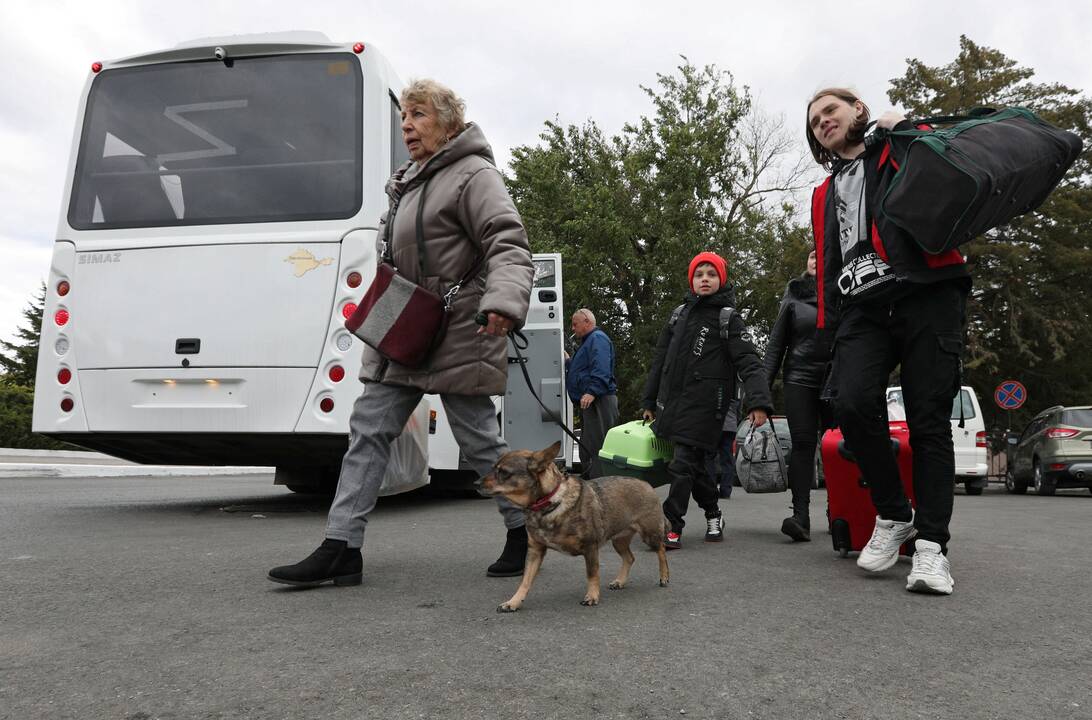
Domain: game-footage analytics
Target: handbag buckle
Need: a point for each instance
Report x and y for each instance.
(449, 296)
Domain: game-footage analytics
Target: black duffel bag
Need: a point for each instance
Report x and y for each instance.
(977, 172)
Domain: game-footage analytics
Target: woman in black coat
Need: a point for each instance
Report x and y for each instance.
(792, 350)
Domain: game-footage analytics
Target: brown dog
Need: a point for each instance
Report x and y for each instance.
(576, 517)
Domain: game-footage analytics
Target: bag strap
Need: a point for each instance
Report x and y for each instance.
(449, 296)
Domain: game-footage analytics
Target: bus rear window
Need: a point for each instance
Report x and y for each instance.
(269, 139)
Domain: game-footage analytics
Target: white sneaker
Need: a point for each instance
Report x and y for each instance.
(931, 571)
(882, 550)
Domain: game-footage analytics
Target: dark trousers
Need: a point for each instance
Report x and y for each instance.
(600, 417)
(689, 471)
(922, 332)
(725, 475)
(802, 410)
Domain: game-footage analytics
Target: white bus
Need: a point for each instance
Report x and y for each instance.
(219, 220)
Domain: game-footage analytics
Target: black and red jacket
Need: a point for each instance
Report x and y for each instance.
(908, 261)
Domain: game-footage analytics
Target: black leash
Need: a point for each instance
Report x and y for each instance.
(515, 336)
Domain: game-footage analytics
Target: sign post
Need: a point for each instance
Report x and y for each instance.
(1010, 395)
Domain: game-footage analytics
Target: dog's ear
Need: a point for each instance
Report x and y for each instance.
(543, 458)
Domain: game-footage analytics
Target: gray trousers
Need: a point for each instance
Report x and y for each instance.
(378, 417)
(600, 417)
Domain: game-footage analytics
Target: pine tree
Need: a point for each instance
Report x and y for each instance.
(19, 360)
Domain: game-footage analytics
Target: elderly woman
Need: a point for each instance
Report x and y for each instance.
(467, 218)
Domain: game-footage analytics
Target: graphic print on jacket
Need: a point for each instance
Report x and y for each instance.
(864, 272)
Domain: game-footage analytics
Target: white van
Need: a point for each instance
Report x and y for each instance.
(969, 440)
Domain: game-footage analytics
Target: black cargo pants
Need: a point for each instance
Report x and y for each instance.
(923, 333)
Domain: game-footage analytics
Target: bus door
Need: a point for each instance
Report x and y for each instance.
(524, 423)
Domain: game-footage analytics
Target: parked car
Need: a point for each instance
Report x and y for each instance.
(968, 436)
(1054, 451)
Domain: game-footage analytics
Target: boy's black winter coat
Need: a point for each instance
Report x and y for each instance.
(694, 369)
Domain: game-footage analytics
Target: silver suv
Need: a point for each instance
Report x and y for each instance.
(1054, 451)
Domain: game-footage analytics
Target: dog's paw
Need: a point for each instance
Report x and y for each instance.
(663, 583)
(615, 585)
(507, 608)
(590, 601)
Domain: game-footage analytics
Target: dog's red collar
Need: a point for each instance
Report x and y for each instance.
(544, 501)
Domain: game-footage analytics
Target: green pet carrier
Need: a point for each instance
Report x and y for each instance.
(633, 450)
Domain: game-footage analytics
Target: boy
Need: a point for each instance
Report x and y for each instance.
(691, 384)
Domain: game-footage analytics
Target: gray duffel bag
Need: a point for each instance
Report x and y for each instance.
(760, 464)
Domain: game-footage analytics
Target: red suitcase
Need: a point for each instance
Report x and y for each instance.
(849, 505)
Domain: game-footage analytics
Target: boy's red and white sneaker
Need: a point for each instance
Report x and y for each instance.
(673, 541)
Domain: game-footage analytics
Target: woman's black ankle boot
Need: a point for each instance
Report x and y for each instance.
(512, 558)
(798, 527)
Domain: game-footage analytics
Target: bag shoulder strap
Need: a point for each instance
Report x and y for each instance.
(675, 314)
(726, 314)
(421, 229)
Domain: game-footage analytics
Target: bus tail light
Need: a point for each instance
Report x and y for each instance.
(61, 317)
(337, 373)
(980, 439)
(354, 279)
(67, 404)
(1055, 433)
(348, 310)
(63, 287)
(64, 375)
(326, 404)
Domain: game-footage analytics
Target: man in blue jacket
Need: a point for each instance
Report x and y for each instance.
(589, 378)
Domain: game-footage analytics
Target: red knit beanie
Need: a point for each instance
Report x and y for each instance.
(713, 259)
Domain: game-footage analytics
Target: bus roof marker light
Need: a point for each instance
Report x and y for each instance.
(96, 67)
(358, 48)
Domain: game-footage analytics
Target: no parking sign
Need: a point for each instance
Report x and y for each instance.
(1010, 395)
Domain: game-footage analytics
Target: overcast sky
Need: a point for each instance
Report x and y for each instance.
(516, 63)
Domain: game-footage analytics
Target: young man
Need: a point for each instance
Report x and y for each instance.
(886, 304)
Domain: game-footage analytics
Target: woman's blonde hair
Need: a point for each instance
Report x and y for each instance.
(450, 108)
(854, 135)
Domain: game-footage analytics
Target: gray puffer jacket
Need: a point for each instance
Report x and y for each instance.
(468, 213)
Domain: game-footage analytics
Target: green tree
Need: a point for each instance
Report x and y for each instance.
(19, 360)
(1029, 312)
(703, 172)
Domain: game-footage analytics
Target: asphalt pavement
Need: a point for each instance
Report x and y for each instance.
(139, 598)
